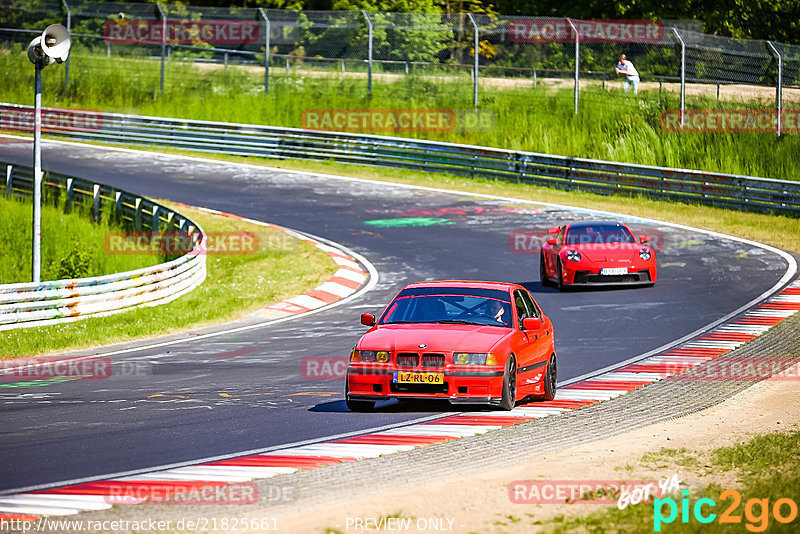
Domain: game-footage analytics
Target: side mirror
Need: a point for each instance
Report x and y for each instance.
(532, 323)
(367, 319)
(644, 239)
(552, 241)
(553, 230)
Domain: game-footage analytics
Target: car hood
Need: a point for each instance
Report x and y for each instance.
(435, 337)
(608, 251)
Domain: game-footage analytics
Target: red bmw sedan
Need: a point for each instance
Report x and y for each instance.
(467, 342)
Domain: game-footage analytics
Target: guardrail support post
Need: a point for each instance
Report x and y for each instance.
(9, 180)
(154, 225)
(266, 48)
(96, 202)
(69, 29)
(477, 60)
(118, 205)
(369, 53)
(70, 195)
(779, 87)
(137, 214)
(683, 75)
(577, 62)
(163, 42)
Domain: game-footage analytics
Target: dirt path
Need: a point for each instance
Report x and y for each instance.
(482, 504)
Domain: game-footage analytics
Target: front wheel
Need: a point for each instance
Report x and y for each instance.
(561, 285)
(509, 385)
(357, 405)
(550, 379)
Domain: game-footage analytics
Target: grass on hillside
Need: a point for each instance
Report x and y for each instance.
(236, 284)
(72, 245)
(610, 125)
(767, 469)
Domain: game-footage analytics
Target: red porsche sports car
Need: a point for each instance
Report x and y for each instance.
(467, 342)
(596, 253)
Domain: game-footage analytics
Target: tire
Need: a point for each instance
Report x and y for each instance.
(550, 380)
(561, 285)
(509, 385)
(543, 273)
(357, 405)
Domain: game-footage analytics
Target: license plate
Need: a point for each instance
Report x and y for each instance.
(614, 270)
(408, 377)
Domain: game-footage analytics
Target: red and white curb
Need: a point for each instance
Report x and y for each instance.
(346, 281)
(97, 495)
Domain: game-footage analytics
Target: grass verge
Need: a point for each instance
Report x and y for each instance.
(236, 284)
(766, 470)
(72, 245)
(610, 125)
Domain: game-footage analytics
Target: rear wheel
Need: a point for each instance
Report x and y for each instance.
(543, 272)
(550, 379)
(509, 385)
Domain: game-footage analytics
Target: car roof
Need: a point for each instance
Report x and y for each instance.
(465, 283)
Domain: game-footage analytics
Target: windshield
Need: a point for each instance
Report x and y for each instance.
(449, 309)
(599, 234)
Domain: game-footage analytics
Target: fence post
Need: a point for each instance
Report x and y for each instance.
(577, 61)
(9, 179)
(477, 60)
(266, 49)
(287, 66)
(534, 78)
(369, 53)
(683, 75)
(779, 87)
(163, 42)
(69, 29)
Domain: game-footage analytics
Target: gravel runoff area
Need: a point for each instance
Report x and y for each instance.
(306, 493)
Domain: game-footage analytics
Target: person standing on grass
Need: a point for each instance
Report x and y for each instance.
(626, 68)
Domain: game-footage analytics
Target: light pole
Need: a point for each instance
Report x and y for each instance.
(50, 47)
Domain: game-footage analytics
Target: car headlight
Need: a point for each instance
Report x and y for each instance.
(573, 255)
(644, 253)
(380, 356)
(474, 358)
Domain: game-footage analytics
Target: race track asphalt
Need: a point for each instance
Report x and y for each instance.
(184, 402)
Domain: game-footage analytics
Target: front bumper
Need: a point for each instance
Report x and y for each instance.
(460, 386)
(594, 278)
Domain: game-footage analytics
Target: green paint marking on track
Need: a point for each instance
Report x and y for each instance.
(38, 383)
(408, 221)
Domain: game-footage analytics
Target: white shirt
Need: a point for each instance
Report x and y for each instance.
(628, 68)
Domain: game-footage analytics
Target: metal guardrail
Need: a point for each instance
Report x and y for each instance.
(40, 304)
(603, 177)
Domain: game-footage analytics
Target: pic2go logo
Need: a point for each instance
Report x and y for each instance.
(324, 367)
(756, 511)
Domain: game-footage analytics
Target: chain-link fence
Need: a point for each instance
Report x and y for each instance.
(480, 52)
